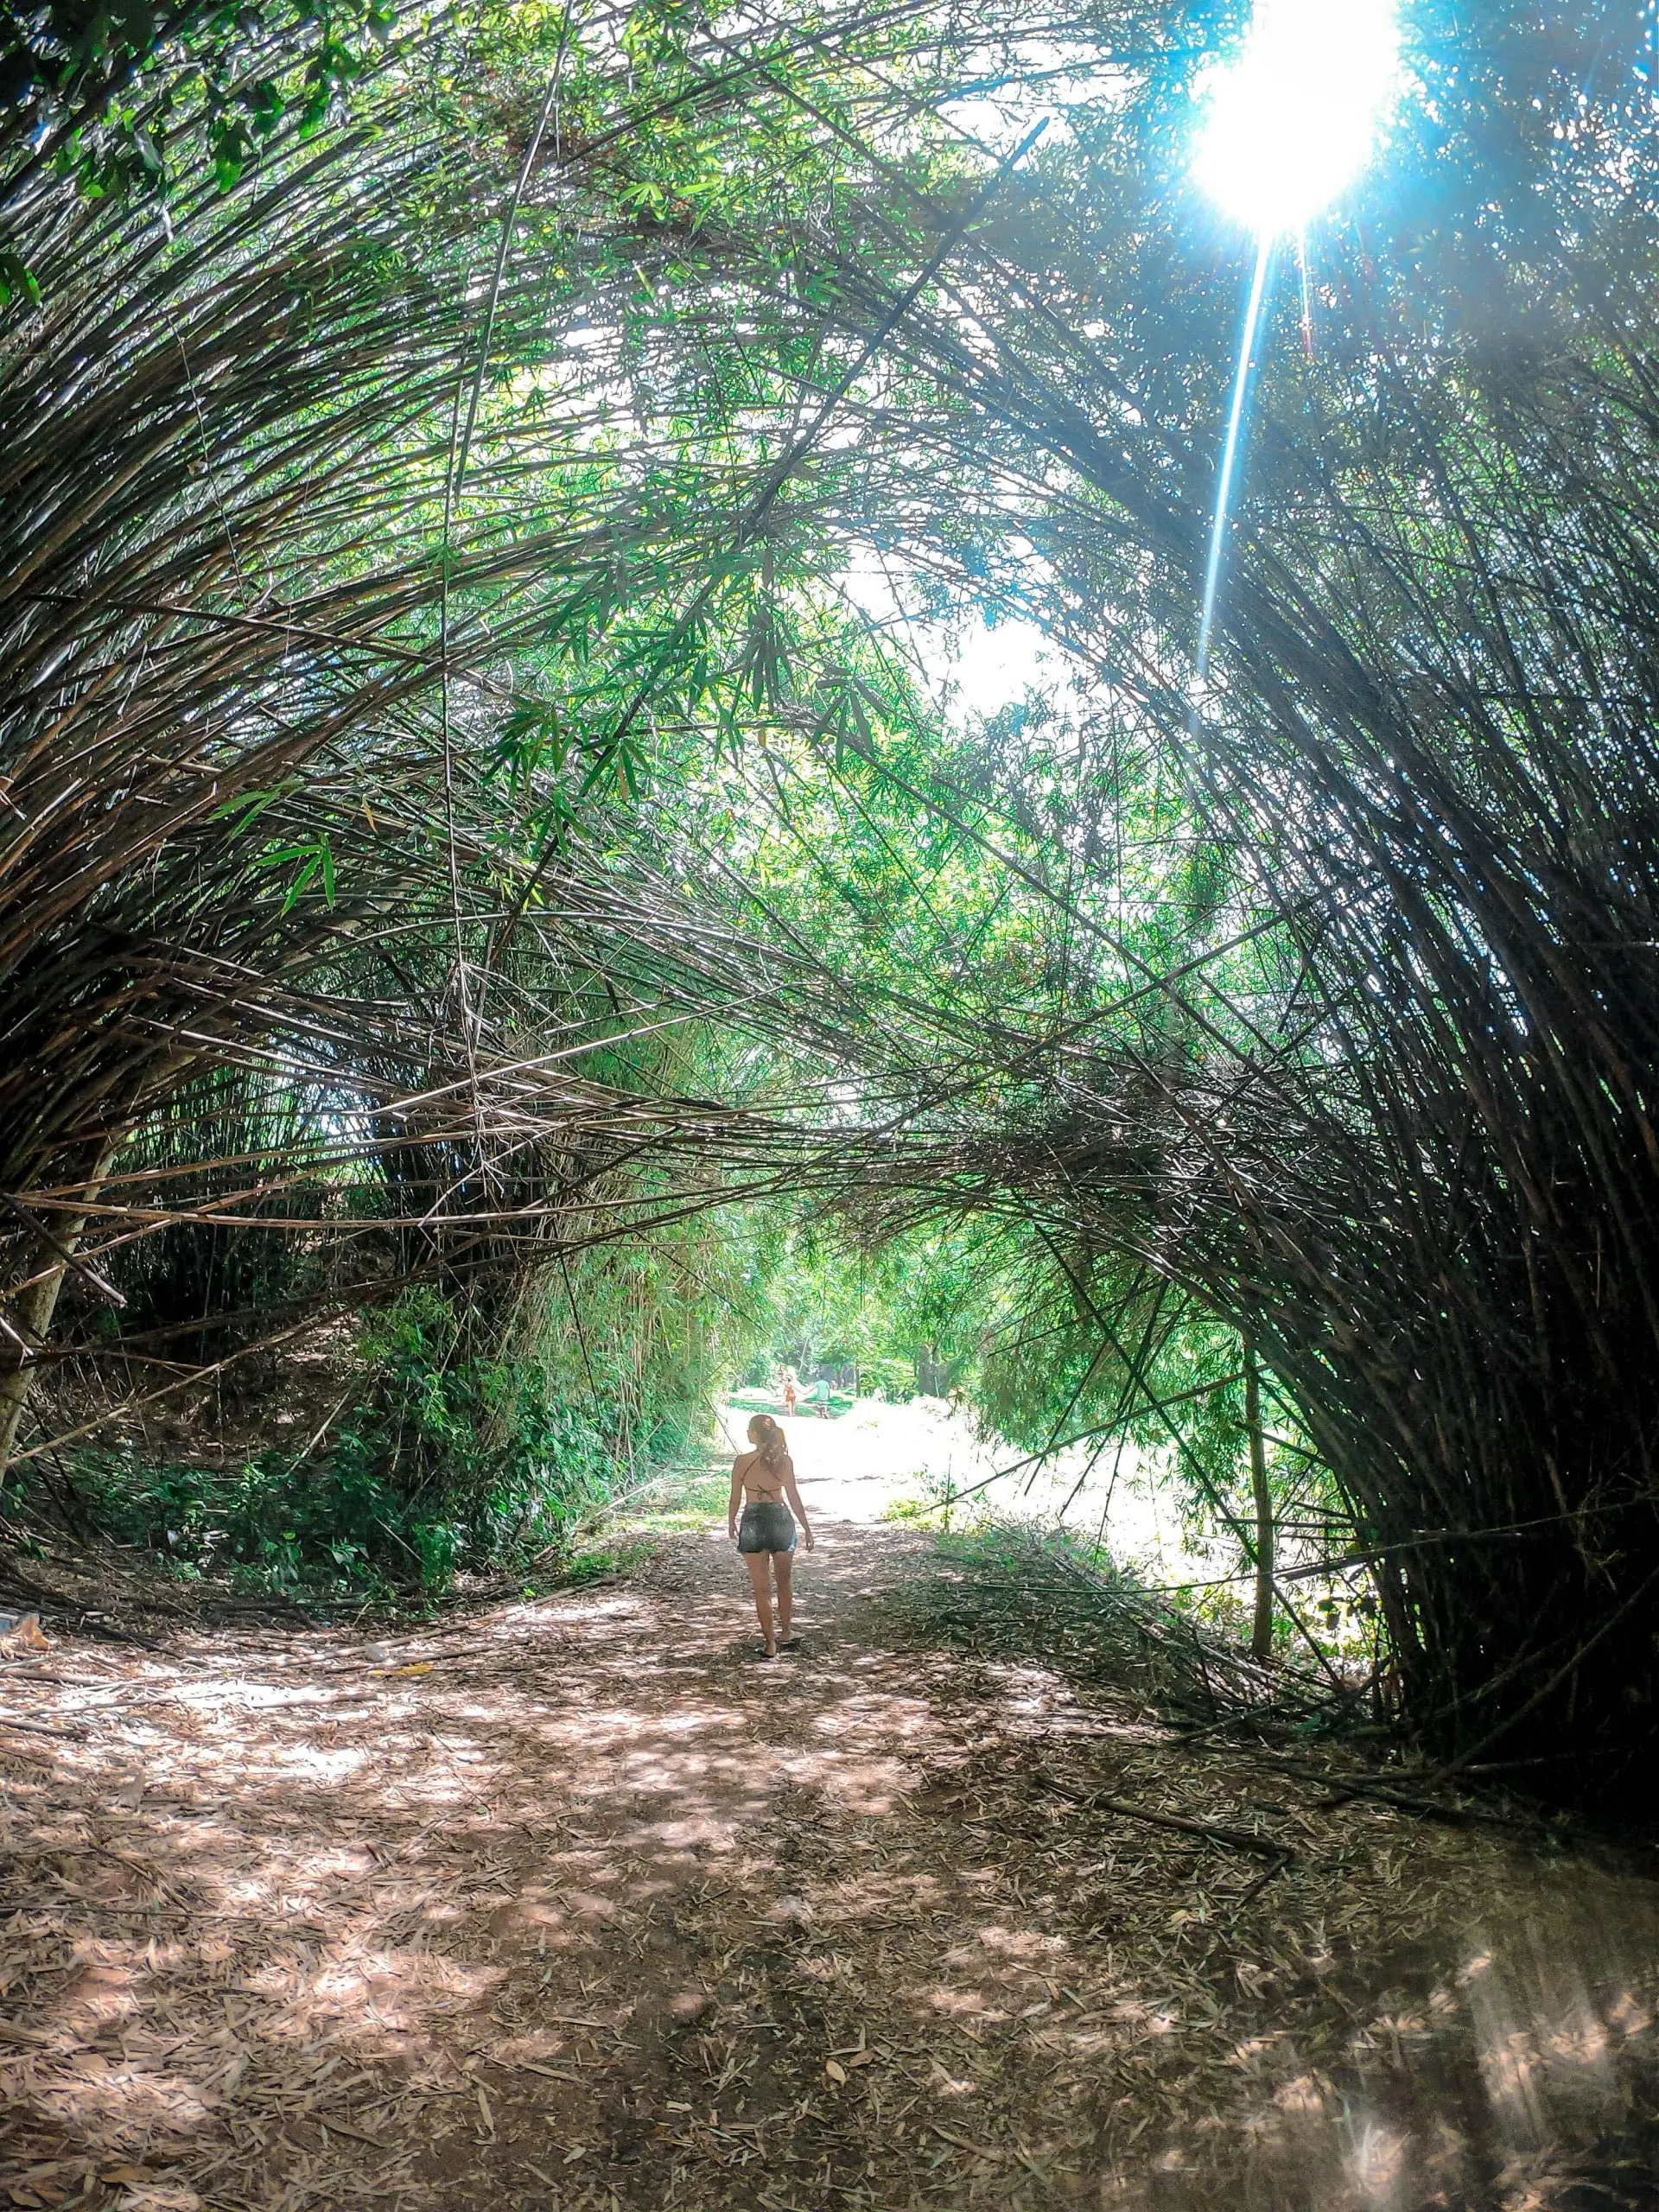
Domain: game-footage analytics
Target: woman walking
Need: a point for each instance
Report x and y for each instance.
(763, 1480)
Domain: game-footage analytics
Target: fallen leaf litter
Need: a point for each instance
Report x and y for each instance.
(573, 1907)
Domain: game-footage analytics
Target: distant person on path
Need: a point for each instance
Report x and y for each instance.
(763, 1480)
(789, 1397)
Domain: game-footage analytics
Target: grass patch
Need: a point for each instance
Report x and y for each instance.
(687, 1497)
(1012, 1591)
(937, 1504)
(613, 1552)
(754, 1399)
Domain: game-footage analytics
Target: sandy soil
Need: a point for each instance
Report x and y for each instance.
(580, 1905)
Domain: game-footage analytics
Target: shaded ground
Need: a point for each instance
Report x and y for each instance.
(582, 1905)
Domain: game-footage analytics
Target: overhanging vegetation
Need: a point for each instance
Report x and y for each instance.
(469, 802)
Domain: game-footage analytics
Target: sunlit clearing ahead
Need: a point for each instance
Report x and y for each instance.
(1295, 117)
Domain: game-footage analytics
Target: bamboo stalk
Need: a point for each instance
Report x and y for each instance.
(1262, 1497)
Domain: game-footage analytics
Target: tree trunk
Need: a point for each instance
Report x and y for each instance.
(33, 1316)
(1261, 1630)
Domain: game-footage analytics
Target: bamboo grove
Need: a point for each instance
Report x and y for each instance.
(469, 799)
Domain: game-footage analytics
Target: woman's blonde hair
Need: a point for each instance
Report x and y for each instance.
(768, 1440)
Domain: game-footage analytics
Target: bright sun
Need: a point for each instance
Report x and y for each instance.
(1295, 117)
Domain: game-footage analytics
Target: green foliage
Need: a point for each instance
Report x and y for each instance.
(908, 1314)
(451, 1460)
(485, 1463)
(1314, 1008)
(129, 98)
(18, 279)
(887, 1377)
(444, 1465)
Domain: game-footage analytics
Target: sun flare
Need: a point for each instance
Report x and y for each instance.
(1294, 117)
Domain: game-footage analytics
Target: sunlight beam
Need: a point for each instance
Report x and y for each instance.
(1229, 457)
(1287, 125)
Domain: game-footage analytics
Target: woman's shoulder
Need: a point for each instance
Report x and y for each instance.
(744, 1459)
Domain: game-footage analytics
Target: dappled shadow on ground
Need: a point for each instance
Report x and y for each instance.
(582, 1905)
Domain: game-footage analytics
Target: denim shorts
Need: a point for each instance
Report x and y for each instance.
(765, 1527)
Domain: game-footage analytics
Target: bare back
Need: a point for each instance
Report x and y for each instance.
(760, 1483)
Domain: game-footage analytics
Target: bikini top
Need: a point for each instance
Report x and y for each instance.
(753, 1476)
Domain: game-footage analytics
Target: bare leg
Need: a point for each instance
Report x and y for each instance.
(757, 1563)
(782, 1565)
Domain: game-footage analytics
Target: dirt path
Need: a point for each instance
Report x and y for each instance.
(582, 1906)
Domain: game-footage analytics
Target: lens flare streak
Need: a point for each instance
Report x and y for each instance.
(1230, 453)
(1289, 123)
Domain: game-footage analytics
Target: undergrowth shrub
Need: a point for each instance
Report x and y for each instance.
(474, 1440)
(444, 1465)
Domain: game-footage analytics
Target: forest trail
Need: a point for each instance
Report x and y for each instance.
(580, 1905)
